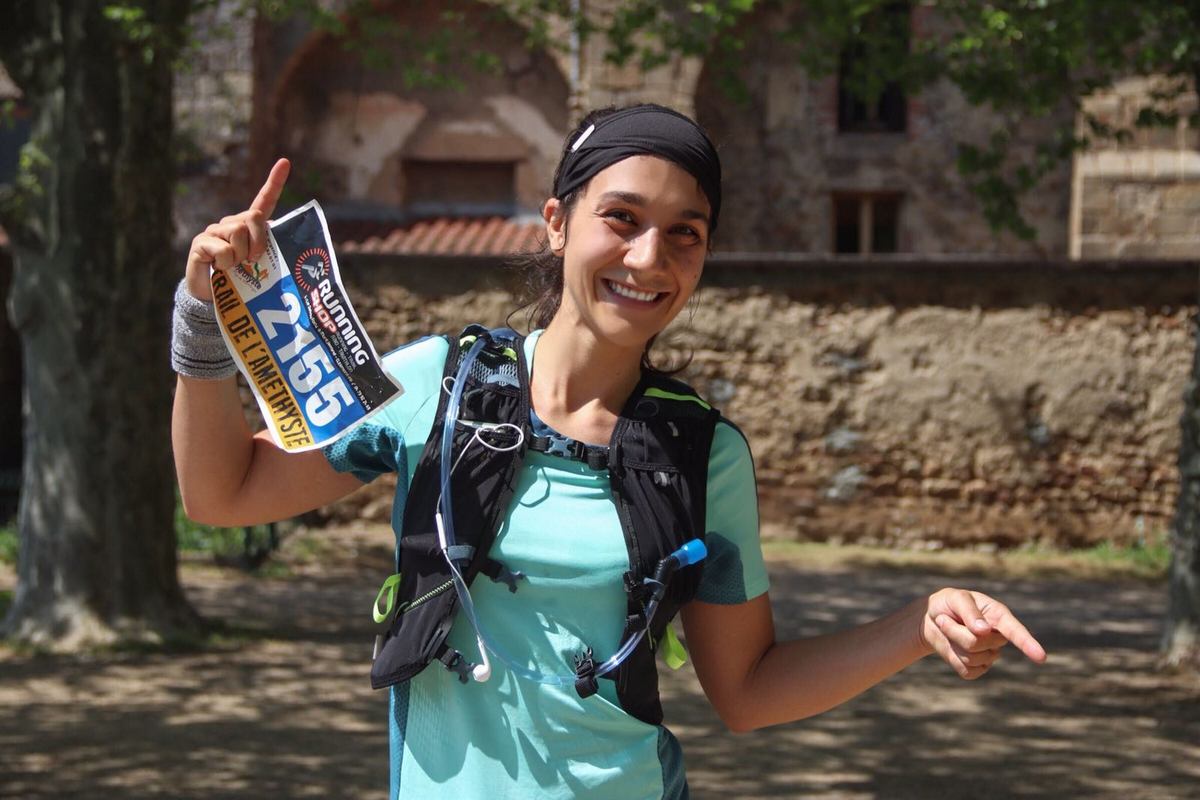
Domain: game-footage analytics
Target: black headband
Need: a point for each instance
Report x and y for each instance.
(643, 130)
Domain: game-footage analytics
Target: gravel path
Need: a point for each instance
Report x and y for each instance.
(283, 708)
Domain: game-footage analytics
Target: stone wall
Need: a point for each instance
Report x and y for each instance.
(214, 90)
(947, 402)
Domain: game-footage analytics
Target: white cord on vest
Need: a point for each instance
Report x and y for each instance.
(482, 670)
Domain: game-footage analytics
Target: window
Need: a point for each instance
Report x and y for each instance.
(460, 188)
(889, 114)
(883, 40)
(866, 223)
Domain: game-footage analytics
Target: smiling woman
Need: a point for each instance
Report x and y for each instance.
(599, 497)
(632, 252)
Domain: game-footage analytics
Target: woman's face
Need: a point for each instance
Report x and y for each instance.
(633, 249)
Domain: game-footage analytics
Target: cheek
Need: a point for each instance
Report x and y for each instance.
(691, 271)
(591, 250)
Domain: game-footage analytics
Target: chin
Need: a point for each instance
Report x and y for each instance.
(626, 337)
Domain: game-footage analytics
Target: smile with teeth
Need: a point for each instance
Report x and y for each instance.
(632, 294)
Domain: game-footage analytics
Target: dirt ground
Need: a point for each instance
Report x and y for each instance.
(281, 706)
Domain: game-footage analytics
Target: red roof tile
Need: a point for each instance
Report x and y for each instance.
(493, 236)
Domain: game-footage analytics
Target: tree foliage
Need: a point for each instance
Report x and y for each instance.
(1016, 58)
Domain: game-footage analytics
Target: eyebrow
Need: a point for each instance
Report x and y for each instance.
(635, 199)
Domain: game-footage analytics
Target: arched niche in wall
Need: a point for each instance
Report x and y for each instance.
(360, 137)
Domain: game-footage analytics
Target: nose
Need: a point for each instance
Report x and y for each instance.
(645, 250)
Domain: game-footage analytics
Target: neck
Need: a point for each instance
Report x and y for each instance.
(576, 373)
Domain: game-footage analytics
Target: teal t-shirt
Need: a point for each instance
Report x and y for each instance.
(511, 737)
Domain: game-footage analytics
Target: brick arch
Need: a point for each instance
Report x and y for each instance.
(521, 112)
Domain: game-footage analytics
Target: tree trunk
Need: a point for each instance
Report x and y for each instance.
(1181, 636)
(1181, 631)
(90, 300)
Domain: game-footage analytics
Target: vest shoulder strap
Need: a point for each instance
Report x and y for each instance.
(481, 484)
(658, 465)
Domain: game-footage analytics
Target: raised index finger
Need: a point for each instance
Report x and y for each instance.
(268, 195)
(1011, 628)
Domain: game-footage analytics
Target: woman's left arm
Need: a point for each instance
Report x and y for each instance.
(753, 681)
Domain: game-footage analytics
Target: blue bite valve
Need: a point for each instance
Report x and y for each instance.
(690, 553)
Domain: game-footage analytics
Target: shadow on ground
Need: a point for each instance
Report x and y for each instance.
(289, 713)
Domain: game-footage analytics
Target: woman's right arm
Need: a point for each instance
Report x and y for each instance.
(227, 475)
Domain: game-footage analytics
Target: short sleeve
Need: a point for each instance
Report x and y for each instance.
(734, 571)
(368, 451)
(392, 439)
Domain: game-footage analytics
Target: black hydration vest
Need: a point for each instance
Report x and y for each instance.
(657, 461)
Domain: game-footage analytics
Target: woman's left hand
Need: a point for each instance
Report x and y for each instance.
(967, 629)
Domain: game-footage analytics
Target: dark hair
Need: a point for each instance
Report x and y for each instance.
(542, 270)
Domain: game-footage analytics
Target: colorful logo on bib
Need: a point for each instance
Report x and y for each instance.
(251, 273)
(311, 268)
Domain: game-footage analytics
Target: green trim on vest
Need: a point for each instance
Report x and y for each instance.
(389, 586)
(673, 651)
(467, 341)
(665, 395)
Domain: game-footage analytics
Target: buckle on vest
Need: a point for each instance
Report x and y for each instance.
(500, 573)
(635, 586)
(595, 456)
(585, 674)
(454, 661)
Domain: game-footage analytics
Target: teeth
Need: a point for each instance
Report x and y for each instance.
(632, 294)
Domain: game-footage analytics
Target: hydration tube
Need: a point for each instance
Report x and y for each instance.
(691, 552)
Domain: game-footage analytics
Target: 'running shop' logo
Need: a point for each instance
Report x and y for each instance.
(311, 268)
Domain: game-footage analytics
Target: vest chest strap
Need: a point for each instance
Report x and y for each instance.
(455, 662)
(595, 456)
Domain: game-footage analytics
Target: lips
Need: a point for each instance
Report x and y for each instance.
(628, 293)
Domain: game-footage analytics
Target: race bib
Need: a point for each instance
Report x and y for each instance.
(290, 327)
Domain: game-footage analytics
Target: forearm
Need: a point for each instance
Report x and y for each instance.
(213, 446)
(801, 678)
(227, 475)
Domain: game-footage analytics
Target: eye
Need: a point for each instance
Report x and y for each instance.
(688, 231)
(620, 215)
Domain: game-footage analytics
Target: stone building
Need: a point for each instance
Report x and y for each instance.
(804, 173)
(1141, 198)
(375, 150)
(806, 170)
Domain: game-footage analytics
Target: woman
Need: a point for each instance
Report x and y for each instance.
(636, 201)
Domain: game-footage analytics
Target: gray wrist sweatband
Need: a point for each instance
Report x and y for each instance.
(197, 347)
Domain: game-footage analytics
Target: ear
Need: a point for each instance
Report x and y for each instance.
(556, 225)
